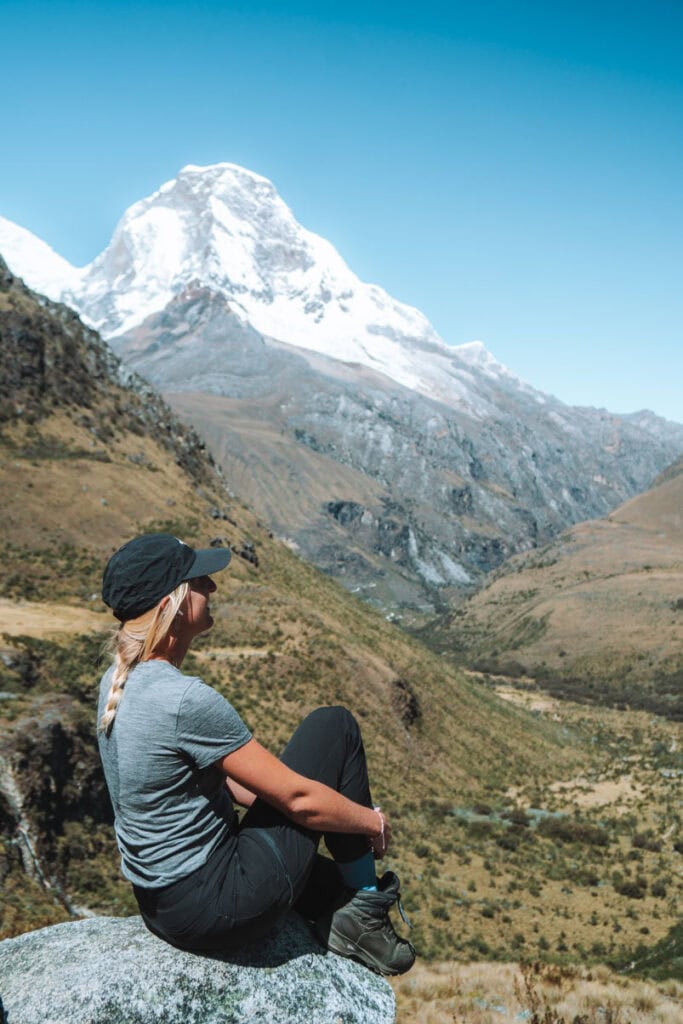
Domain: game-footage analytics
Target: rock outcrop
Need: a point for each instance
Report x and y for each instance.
(109, 970)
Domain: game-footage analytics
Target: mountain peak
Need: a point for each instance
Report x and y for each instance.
(226, 229)
(223, 169)
(223, 182)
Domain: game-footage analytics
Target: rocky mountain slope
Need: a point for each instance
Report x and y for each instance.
(597, 614)
(404, 467)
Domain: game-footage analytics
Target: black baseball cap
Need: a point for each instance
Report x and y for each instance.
(149, 567)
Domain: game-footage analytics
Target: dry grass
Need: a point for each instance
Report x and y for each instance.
(491, 993)
(43, 619)
(81, 498)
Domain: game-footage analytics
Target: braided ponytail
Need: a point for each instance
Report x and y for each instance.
(135, 641)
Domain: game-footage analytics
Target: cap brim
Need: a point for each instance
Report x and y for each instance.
(208, 561)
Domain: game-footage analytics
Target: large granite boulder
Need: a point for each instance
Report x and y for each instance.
(108, 970)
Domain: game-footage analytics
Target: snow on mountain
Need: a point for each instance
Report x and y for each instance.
(227, 229)
(39, 265)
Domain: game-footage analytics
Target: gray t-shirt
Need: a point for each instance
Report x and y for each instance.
(170, 803)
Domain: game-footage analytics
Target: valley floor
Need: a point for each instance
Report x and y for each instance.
(583, 867)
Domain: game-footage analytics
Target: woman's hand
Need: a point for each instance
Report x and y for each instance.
(379, 842)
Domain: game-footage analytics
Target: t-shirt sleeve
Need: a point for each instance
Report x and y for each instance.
(207, 726)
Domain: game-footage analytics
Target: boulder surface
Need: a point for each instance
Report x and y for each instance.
(108, 970)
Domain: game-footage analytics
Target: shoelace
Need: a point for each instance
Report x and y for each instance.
(402, 912)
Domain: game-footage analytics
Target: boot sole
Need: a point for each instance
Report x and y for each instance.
(347, 948)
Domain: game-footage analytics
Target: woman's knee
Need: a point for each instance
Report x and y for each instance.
(324, 733)
(334, 717)
(328, 746)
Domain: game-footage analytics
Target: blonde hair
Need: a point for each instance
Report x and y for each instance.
(135, 641)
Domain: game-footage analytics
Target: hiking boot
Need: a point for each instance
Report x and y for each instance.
(360, 928)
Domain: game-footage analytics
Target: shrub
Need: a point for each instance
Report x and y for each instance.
(508, 840)
(480, 829)
(518, 817)
(633, 890)
(646, 841)
(587, 876)
(479, 945)
(565, 831)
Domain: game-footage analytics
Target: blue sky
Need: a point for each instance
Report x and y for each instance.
(513, 169)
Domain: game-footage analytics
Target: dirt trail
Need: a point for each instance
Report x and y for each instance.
(38, 619)
(525, 699)
(587, 793)
(620, 794)
(230, 653)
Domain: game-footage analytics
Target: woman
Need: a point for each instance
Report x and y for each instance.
(175, 755)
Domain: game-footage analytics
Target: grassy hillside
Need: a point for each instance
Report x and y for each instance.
(84, 467)
(597, 614)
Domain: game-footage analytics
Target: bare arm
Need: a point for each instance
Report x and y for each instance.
(239, 794)
(307, 802)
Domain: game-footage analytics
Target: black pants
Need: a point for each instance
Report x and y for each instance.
(270, 864)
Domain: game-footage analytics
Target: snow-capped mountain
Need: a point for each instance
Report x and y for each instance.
(405, 467)
(225, 228)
